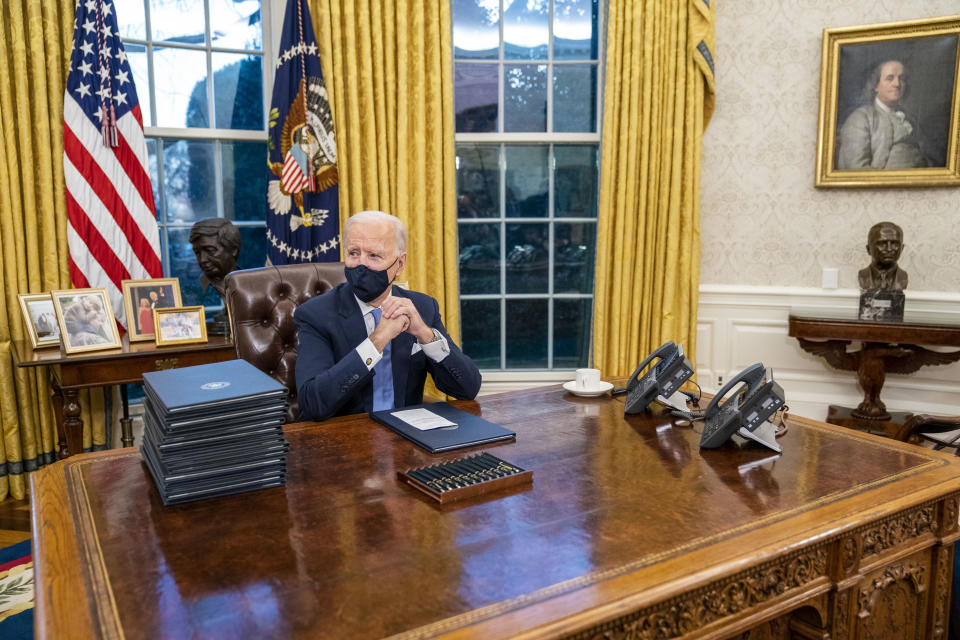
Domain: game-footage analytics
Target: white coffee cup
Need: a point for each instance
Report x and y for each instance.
(588, 378)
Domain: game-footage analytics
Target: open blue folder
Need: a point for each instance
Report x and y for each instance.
(470, 430)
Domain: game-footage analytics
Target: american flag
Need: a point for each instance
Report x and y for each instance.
(112, 230)
(303, 221)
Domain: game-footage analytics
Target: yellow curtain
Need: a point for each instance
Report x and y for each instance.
(35, 41)
(388, 70)
(658, 98)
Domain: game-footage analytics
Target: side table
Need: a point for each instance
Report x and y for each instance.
(122, 366)
(886, 347)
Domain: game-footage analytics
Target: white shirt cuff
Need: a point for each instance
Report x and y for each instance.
(368, 353)
(438, 349)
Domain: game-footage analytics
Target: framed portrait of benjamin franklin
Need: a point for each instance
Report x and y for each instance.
(888, 105)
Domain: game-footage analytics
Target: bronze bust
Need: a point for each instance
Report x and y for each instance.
(216, 243)
(884, 244)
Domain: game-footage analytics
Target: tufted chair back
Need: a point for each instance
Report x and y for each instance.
(261, 303)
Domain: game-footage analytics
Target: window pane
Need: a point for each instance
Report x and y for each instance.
(575, 98)
(528, 181)
(476, 29)
(189, 180)
(181, 87)
(575, 181)
(244, 180)
(571, 332)
(253, 247)
(236, 24)
(178, 21)
(575, 29)
(527, 334)
(480, 326)
(478, 181)
(573, 257)
(137, 57)
(154, 175)
(183, 265)
(525, 97)
(238, 91)
(527, 257)
(475, 97)
(130, 19)
(526, 30)
(479, 258)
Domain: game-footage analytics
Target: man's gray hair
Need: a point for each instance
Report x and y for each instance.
(380, 216)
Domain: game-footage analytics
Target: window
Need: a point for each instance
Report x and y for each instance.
(527, 99)
(200, 77)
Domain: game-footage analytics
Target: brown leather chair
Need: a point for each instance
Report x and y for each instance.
(938, 432)
(261, 303)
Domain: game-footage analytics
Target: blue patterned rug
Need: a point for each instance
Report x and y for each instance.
(16, 592)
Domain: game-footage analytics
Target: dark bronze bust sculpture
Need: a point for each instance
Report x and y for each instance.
(882, 282)
(884, 244)
(216, 243)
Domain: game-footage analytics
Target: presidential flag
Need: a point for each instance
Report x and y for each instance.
(112, 230)
(303, 221)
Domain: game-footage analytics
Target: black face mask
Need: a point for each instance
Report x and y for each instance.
(366, 283)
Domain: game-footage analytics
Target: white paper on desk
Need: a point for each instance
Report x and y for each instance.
(423, 419)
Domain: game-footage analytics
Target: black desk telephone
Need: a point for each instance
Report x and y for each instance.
(745, 411)
(662, 379)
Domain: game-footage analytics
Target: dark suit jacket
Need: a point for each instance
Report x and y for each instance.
(332, 379)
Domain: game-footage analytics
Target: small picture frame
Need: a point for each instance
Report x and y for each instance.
(40, 319)
(86, 320)
(179, 325)
(141, 297)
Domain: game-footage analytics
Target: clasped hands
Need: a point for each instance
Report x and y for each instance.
(396, 316)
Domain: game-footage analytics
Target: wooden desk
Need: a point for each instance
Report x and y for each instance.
(887, 347)
(628, 531)
(103, 368)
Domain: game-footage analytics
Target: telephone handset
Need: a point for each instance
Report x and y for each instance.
(662, 379)
(756, 399)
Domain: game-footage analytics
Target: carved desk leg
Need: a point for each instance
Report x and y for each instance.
(126, 424)
(72, 424)
(62, 451)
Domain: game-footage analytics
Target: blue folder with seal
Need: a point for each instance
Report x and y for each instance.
(466, 430)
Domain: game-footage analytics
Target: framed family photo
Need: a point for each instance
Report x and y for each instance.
(141, 298)
(86, 320)
(889, 105)
(40, 319)
(179, 325)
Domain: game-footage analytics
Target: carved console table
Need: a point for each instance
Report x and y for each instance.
(886, 347)
(628, 531)
(115, 366)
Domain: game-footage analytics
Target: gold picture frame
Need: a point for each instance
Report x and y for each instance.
(179, 325)
(155, 293)
(86, 320)
(40, 318)
(881, 125)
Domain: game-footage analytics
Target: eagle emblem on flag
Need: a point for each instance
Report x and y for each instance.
(309, 153)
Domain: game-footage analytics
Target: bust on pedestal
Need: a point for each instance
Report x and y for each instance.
(882, 282)
(216, 243)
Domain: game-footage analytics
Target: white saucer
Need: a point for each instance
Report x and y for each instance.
(599, 390)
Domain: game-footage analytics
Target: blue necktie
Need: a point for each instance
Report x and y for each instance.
(382, 375)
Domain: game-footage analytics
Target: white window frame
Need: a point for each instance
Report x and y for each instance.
(506, 379)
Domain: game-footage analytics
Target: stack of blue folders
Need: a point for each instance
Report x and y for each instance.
(213, 430)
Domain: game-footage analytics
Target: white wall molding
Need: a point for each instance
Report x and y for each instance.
(738, 325)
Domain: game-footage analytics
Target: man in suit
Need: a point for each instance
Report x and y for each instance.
(880, 134)
(367, 345)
